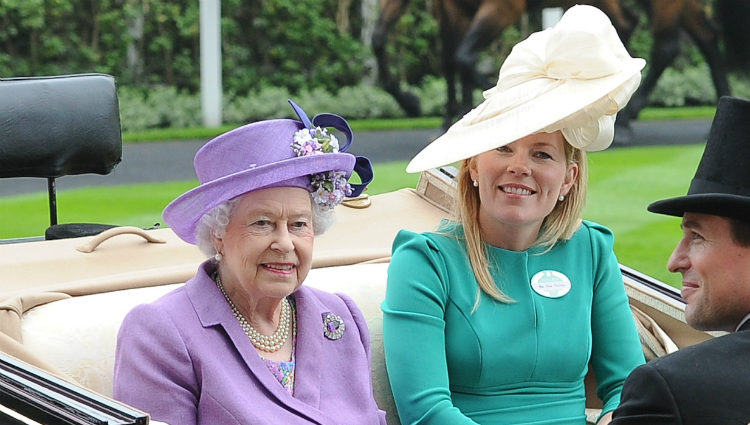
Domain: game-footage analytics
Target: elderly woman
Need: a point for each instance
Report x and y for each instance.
(244, 342)
(510, 303)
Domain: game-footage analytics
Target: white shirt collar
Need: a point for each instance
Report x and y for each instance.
(742, 322)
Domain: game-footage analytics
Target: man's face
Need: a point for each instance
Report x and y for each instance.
(715, 273)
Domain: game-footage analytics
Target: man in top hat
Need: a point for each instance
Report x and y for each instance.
(708, 383)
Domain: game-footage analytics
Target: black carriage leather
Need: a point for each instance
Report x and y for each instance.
(59, 125)
(56, 126)
(74, 230)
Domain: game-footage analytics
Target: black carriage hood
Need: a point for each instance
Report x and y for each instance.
(59, 125)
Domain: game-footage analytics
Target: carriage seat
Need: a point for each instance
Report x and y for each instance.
(63, 306)
(75, 337)
(57, 126)
(62, 301)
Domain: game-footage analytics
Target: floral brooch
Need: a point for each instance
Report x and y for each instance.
(329, 187)
(333, 326)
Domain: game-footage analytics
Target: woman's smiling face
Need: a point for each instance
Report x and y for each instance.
(267, 248)
(520, 183)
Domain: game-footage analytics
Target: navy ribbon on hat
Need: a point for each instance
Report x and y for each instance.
(362, 165)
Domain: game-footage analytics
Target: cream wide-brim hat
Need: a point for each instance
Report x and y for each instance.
(573, 77)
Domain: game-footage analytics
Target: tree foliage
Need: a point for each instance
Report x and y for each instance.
(288, 43)
(291, 43)
(299, 47)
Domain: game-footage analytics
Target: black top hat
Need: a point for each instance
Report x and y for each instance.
(721, 185)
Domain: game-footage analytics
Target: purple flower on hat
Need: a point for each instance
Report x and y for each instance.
(329, 187)
(304, 144)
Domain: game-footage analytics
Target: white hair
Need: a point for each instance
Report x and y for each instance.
(215, 223)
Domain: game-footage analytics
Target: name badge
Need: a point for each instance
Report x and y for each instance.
(550, 284)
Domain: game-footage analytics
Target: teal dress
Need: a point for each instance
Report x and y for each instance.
(516, 363)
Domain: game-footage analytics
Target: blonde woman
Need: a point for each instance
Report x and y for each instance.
(496, 316)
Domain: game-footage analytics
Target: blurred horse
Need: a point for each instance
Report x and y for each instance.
(668, 18)
(466, 27)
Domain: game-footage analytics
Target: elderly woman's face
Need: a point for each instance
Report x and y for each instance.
(267, 248)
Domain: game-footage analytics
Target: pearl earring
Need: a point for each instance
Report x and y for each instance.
(217, 257)
(476, 183)
(561, 198)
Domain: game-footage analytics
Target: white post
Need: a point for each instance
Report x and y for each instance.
(550, 16)
(369, 13)
(210, 29)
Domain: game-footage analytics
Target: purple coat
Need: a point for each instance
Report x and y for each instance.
(184, 359)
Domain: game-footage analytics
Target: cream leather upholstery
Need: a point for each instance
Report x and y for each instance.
(77, 336)
(60, 308)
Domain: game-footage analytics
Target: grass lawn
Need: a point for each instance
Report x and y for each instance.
(622, 183)
(133, 205)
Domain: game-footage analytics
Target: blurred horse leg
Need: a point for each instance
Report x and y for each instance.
(733, 16)
(452, 22)
(492, 18)
(466, 28)
(667, 19)
(705, 34)
(623, 18)
(448, 45)
(390, 12)
(665, 28)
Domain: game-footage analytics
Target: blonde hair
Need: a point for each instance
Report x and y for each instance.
(560, 224)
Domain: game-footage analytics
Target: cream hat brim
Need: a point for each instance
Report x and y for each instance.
(573, 77)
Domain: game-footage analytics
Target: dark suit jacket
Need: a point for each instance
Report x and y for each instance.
(708, 383)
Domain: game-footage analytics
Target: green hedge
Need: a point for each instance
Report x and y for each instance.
(167, 107)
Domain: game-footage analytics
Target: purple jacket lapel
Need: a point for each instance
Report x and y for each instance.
(213, 310)
(309, 350)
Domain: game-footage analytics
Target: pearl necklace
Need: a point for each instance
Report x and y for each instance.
(267, 343)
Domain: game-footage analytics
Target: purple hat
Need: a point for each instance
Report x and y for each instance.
(270, 153)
